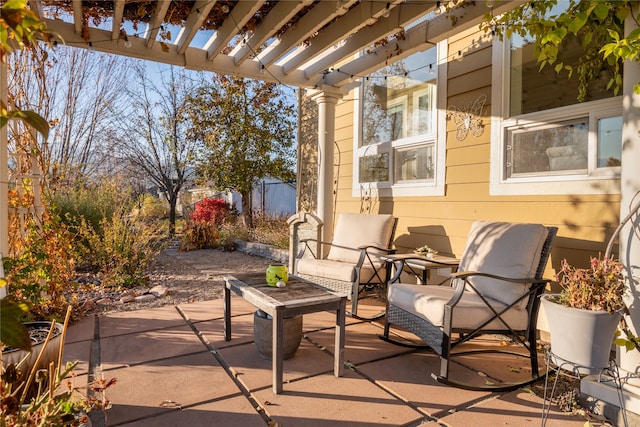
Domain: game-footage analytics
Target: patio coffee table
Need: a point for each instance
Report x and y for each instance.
(298, 297)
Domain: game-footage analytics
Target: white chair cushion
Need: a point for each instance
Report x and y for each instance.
(504, 249)
(354, 230)
(336, 270)
(428, 303)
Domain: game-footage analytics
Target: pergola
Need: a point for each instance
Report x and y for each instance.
(318, 44)
(302, 43)
(324, 45)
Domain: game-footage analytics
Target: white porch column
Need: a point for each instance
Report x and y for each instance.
(630, 188)
(629, 250)
(326, 139)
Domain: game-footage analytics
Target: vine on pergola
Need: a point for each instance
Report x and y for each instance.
(597, 25)
(141, 12)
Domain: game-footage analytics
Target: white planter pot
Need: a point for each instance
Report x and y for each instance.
(581, 337)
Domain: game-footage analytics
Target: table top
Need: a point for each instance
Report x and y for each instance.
(422, 261)
(298, 292)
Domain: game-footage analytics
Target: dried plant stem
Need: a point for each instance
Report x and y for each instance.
(51, 380)
(62, 338)
(34, 370)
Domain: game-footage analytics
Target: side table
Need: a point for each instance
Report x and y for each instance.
(298, 297)
(418, 265)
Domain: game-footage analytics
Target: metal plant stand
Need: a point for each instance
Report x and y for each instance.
(557, 365)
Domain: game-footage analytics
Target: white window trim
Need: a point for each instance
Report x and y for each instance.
(407, 189)
(597, 181)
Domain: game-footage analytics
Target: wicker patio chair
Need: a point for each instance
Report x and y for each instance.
(352, 262)
(495, 291)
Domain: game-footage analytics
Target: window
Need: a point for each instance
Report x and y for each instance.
(396, 136)
(413, 164)
(374, 168)
(545, 136)
(541, 148)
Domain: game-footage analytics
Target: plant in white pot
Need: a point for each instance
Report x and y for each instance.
(584, 316)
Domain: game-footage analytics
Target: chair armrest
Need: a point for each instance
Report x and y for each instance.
(306, 245)
(387, 250)
(307, 240)
(466, 274)
(460, 285)
(329, 244)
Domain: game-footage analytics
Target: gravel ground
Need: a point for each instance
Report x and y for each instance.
(188, 276)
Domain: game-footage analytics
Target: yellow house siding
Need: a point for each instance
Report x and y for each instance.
(585, 221)
(469, 82)
(344, 142)
(467, 174)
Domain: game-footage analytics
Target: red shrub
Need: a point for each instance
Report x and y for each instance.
(212, 210)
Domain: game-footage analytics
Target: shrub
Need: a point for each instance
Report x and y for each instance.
(116, 234)
(41, 269)
(199, 235)
(151, 208)
(203, 230)
(212, 210)
(230, 232)
(270, 230)
(91, 203)
(39, 266)
(121, 250)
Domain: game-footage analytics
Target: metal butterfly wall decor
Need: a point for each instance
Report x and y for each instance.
(467, 119)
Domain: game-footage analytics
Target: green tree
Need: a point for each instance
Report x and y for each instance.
(246, 128)
(598, 25)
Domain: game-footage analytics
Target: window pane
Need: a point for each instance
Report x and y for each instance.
(398, 100)
(533, 89)
(395, 115)
(374, 168)
(559, 147)
(414, 164)
(610, 142)
(424, 106)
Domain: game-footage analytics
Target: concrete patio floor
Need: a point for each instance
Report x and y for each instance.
(173, 368)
